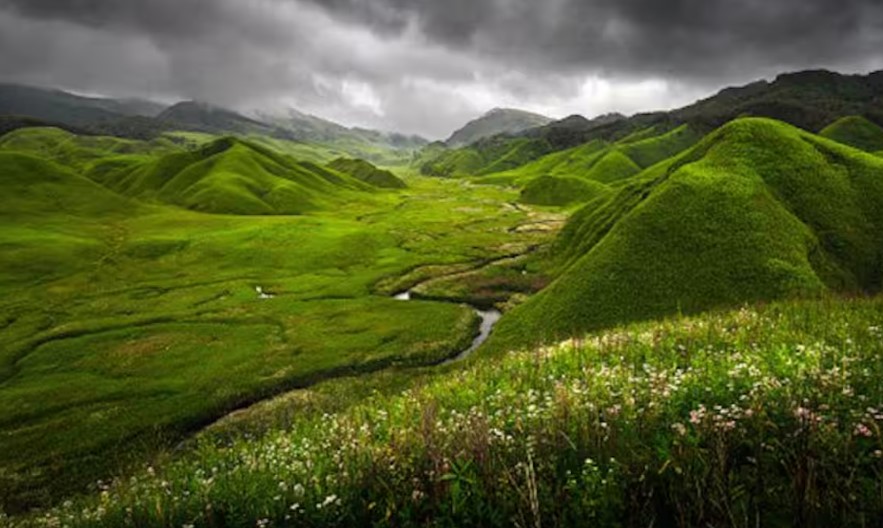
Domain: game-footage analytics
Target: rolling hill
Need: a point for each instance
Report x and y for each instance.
(808, 99)
(229, 176)
(596, 161)
(368, 173)
(757, 210)
(857, 132)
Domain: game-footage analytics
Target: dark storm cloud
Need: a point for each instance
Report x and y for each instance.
(699, 38)
(428, 65)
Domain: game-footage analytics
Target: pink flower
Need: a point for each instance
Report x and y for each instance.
(862, 430)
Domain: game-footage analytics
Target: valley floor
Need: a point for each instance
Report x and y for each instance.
(122, 333)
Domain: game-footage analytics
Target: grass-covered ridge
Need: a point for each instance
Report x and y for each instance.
(600, 161)
(368, 173)
(561, 190)
(769, 415)
(231, 176)
(758, 210)
(857, 132)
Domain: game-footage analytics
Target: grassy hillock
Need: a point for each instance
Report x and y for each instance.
(79, 151)
(758, 210)
(230, 176)
(561, 190)
(495, 154)
(857, 132)
(368, 173)
(600, 161)
(768, 415)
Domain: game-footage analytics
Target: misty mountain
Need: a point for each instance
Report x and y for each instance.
(68, 108)
(307, 127)
(497, 121)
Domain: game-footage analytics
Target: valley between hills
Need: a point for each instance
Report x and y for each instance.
(671, 318)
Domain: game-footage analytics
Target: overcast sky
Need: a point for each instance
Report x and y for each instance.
(427, 66)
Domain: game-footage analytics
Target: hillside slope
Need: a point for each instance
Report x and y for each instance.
(497, 121)
(230, 176)
(757, 210)
(857, 132)
(368, 173)
(807, 99)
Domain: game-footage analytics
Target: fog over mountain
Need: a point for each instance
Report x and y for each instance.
(424, 66)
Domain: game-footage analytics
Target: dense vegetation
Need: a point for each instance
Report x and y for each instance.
(768, 416)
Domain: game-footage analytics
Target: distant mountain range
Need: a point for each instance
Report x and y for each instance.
(809, 100)
(23, 106)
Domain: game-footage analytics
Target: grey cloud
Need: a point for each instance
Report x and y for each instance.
(699, 38)
(427, 65)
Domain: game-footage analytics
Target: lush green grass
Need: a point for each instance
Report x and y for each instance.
(857, 132)
(488, 156)
(126, 324)
(364, 171)
(766, 416)
(561, 190)
(652, 150)
(231, 176)
(758, 210)
(599, 161)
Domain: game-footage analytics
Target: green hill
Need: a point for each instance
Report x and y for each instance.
(368, 173)
(79, 151)
(757, 210)
(33, 186)
(561, 190)
(603, 162)
(229, 176)
(855, 131)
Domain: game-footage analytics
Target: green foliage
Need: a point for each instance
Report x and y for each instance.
(561, 190)
(368, 173)
(855, 131)
(762, 416)
(758, 210)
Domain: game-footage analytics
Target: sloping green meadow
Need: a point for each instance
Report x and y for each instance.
(768, 415)
(758, 210)
(148, 289)
(127, 323)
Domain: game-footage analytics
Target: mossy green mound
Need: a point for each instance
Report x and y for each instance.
(604, 162)
(230, 176)
(368, 173)
(561, 190)
(855, 131)
(33, 187)
(78, 151)
(758, 210)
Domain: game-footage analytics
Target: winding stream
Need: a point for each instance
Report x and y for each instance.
(488, 319)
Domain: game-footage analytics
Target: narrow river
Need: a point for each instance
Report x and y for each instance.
(488, 319)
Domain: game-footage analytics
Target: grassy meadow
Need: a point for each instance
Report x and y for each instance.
(202, 330)
(771, 413)
(128, 323)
